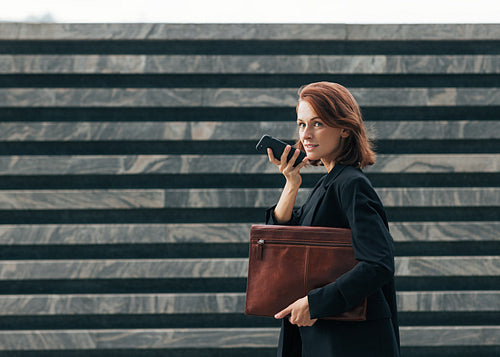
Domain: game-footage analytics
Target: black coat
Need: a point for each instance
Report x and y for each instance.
(345, 198)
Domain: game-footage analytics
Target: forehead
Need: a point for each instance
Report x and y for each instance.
(305, 111)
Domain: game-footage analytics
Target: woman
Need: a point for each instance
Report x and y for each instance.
(332, 133)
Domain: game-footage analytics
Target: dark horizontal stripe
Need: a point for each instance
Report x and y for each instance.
(437, 283)
(136, 286)
(134, 321)
(227, 215)
(244, 147)
(217, 250)
(249, 47)
(144, 321)
(244, 80)
(213, 285)
(121, 114)
(238, 181)
(438, 318)
(447, 351)
(450, 351)
(170, 352)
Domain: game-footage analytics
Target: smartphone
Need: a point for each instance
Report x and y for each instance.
(278, 146)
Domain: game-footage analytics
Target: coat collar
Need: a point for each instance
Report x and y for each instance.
(332, 175)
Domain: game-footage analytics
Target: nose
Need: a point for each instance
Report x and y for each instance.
(307, 133)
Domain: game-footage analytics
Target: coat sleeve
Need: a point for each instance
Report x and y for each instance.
(294, 221)
(373, 248)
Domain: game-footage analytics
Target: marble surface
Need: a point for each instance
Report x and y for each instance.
(450, 336)
(233, 198)
(221, 131)
(218, 233)
(217, 303)
(418, 336)
(190, 338)
(250, 64)
(81, 199)
(454, 32)
(123, 269)
(238, 97)
(82, 234)
(27, 165)
(445, 231)
(448, 266)
(111, 304)
(445, 266)
(449, 301)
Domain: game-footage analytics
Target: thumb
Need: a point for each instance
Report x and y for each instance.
(283, 312)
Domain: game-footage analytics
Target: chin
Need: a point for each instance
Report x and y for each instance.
(313, 157)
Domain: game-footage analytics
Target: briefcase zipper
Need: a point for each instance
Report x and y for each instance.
(261, 242)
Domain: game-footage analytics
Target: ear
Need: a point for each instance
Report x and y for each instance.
(344, 133)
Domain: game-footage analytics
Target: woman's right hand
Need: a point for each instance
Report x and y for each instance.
(292, 174)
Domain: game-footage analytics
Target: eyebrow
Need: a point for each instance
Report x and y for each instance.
(309, 119)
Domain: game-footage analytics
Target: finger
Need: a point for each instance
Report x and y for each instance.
(284, 156)
(283, 313)
(271, 157)
(302, 164)
(294, 157)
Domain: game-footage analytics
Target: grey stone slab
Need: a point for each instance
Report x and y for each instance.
(391, 197)
(445, 231)
(233, 198)
(197, 338)
(220, 268)
(44, 31)
(123, 269)
(448, 301)
(253, 64)
(439, 163)
(441, 336)
(82, 234)
(31, 31)
(447, 266)
(218, 303)
(220, 131)
(112, 304)
(450, 32)
(27, 165)
(81, 199)
(237, 97)
(194, 233)
(138, 339)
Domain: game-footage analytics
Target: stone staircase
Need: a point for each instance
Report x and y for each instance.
(129, 179)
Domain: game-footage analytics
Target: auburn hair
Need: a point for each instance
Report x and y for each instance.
(336, 106)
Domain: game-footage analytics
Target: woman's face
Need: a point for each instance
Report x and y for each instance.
(320, 141)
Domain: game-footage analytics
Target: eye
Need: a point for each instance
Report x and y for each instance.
(301, 125)
(317, 123)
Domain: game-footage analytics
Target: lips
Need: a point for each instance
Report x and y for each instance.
(309, 147)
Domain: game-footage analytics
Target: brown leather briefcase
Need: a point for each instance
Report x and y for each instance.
(286, 262)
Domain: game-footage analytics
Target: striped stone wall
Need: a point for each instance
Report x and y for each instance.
(129, 179)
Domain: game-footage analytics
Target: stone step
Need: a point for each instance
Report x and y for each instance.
(244, 64)
(233, 198)
(224, 131)
(218, 303)
(198, 338)
(236, 97)
(219, 233)
(23, 270)
(28, 165)
(314, 32)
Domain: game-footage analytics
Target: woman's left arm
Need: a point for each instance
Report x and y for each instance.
(373, 247)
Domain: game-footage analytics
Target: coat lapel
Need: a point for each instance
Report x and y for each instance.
(318, 195)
